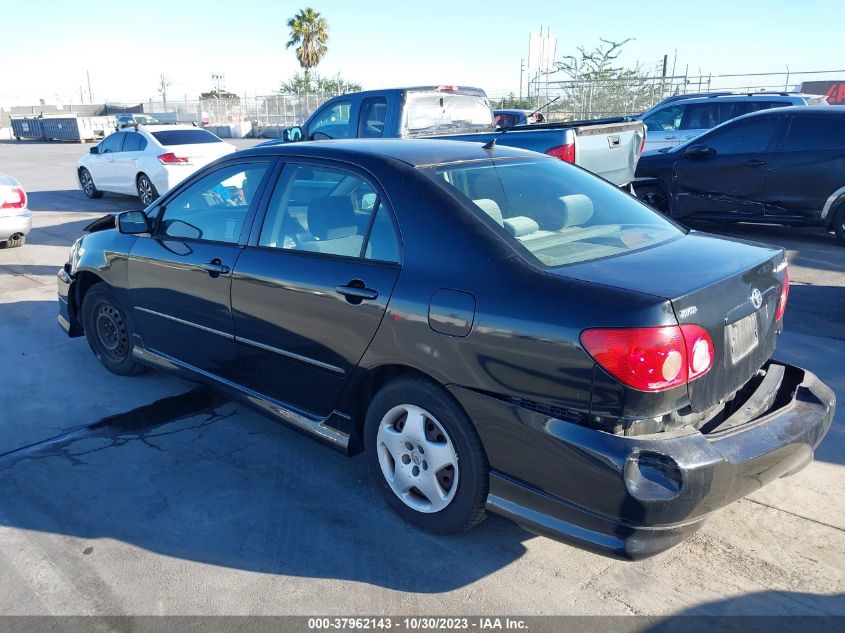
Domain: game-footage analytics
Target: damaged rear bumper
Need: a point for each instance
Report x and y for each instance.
(633, 497)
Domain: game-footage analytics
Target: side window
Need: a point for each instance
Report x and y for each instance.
(213, 208)
(134, 142)
(372, 118)
(665, 120)
(703, 116)
(746, 137)
(815, 133)
(331, 122)
(112, 143)
(327, 210)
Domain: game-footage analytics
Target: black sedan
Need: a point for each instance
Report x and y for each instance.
(495, 328)
(782, 166)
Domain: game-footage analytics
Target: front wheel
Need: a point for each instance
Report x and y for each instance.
(654, 196)
(146, 190)
(426, 457)
(108, 331)
(839, 223)
(88, 185)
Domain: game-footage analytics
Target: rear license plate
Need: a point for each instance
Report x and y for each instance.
(743, 337)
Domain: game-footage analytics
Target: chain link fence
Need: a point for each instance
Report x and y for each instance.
(579, 99)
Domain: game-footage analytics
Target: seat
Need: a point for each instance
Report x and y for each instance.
(331, 220)
(491, 208)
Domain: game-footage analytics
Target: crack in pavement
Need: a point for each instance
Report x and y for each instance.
(796, 515)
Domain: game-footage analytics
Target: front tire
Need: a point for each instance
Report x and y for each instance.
(655, 197)
(108, 331)
(146, 190)
(838, 224)
(426, 457)
(88, 185)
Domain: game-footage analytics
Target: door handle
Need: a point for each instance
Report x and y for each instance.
(670, 138)
(754, 162)
(356, 292)
(215, 268)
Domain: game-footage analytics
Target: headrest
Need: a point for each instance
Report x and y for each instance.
(521, 225)
(491, 208)
(331, 217)
(578, 209)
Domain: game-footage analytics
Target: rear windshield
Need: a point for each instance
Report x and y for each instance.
(553, 212)
(185, 137)
(444, 112)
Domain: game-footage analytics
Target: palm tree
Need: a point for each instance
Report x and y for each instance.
(309, 32)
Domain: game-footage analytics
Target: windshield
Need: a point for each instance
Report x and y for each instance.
(435, 112)
(555, 213)
(185, 137)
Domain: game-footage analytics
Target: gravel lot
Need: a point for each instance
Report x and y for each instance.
(191, 504)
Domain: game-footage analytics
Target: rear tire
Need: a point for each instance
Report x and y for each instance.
(88, 185)
(838, 224)
(108, 331)
(434, 473)
(14, 241)
(146, 190)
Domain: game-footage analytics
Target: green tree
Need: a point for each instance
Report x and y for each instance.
(309, 32)
(329, 86)
(598, 85)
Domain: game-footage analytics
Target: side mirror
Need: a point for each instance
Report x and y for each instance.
(133, 222)
(95, 150)
(292, 134)
(698, 151)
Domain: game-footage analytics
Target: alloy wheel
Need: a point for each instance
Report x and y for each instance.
(87, 183)
(417, 458)
(145, 190)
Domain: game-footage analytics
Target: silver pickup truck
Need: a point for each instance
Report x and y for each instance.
(609, 148)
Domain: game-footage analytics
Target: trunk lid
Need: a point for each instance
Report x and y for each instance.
(730, 288)
(201, 153)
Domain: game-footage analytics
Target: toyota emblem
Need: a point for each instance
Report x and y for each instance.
(756, 299)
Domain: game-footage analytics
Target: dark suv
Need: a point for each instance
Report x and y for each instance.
(783, 166)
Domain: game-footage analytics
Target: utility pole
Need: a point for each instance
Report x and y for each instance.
(81, 98)
(521, 70)
(90, 94)
(164, 83)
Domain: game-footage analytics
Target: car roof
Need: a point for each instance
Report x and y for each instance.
(741, 97)
(165, 127)
(414, 152)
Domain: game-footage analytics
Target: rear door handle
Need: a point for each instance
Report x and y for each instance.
(754, 162)
(215, 267)
(356, 292)
(670, 138)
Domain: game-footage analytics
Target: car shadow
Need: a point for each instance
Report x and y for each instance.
(28, 270)
(63, 234)
(227, 486)
(75, 201)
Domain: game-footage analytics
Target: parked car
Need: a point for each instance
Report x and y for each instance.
(512, 118)
(607, 147)
(15, 217)
(496, 329)
(676, 120)
(147, 161)
(127, 120)
(783, 166)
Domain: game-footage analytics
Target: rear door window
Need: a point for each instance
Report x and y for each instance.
(185, 137)
(815, 133)
(372, 119)
(134, 142)
(703, 116)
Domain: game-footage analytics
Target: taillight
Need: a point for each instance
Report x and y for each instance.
(447, 88)
(651, 358)
(172, 159)
(15, 199)
(784, 295)
(642, 144)
(563, 152)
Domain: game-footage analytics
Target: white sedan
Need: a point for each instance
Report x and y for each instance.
(15, 218)
(147, 161)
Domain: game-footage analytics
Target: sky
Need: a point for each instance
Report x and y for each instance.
(127, 47)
